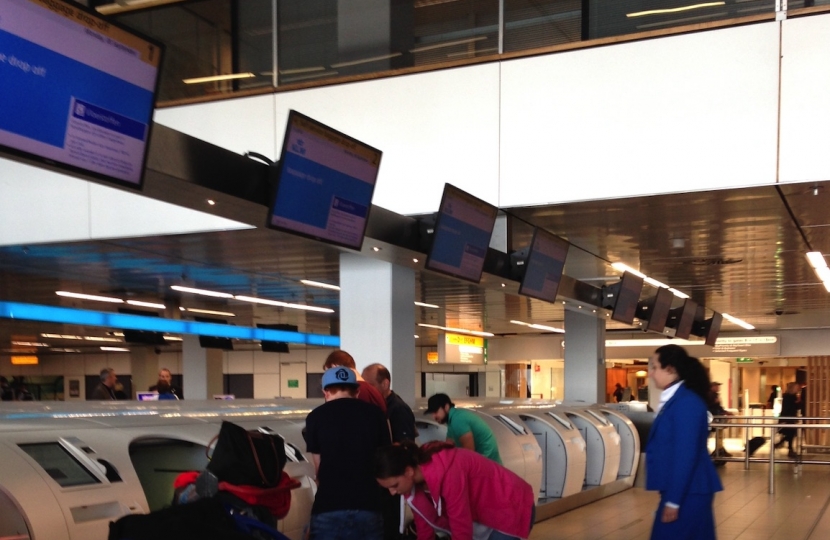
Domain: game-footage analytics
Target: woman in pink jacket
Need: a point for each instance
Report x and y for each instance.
(457, 492)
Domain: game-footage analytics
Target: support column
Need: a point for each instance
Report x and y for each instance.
(377, 318)
(201, 369)
(144, 368)
(584, 357)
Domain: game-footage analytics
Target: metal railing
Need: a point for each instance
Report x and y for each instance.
(773, 425)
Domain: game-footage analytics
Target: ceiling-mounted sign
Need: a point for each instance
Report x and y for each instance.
(432, 357)
(757, 345)
(744, 360)
(461, 349)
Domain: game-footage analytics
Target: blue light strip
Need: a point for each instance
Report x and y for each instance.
(54, 314)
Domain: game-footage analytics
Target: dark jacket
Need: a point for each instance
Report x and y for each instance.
(401, 419)
(102, 393)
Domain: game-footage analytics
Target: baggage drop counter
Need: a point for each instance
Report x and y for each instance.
(563, 454)
(629, 442)
(602, 445)
(518, 448)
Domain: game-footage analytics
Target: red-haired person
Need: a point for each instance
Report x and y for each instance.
(457, 492)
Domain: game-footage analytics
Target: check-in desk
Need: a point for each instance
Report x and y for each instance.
(629, 442)
(518, 448)
(602, 444)
(563, 453)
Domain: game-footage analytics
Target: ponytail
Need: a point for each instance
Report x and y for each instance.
(393, 460)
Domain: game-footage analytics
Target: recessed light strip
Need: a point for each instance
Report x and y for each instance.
(277, 303)
(819, 264)
(622, 267)
(146, 304)
(319, 284)
(739, 322)
(539, 327)
(673, 10)
(209, 312)
(457, 330)
(423, 304)
(93, 297)
(203, 292)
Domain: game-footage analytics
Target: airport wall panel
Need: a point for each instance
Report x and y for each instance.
(239, 362)
(676, 114)
(805, 99)
(266, 385)
(293, 380)
(265, 362)
(240, 125)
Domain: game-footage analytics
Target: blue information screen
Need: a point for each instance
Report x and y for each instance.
(545, 263)
(76, 90)
(326, 183)
(462, 235)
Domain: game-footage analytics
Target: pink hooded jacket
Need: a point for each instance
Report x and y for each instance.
(465, 487)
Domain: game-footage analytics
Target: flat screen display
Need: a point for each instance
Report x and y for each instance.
(659, 312)
(543, 269)
(210, 342)
(78, 91)
(462, 235)
(59, 464)
(713, 329)
(625, 305)
(326, 183)
(683, 318)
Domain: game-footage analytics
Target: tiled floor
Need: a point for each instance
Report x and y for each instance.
(744, 510)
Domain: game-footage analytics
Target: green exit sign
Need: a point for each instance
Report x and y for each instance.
(744, 360)
(293, 383)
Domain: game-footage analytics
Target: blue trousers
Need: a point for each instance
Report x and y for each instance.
(696, 520)
(346, 525)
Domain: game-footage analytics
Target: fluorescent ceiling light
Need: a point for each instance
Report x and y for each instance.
(655, 283)
(447, 44)
(674, 10)
(215, 78)
(457, 330)
(739, 322)
(417, 336)
(96, 338)
(816, 259)
(422, 304)
(29, 344)
(93, 297)
(320, 284)
(203, 292)
(146, 304)
(539, 327)
(277, 303)
(209, 312)
(678, 294)
(622, 267)
(61, 336)
(366, 60)
(115, 349)
(650, 342)
(172, 338)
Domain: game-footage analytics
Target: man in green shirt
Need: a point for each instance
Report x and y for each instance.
(465, 428)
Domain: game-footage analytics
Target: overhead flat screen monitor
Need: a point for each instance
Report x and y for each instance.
(660, 310)
(627, 295)
(77, 91)
(543, 269)
(142, 336)
(326, 182)
(682, 319)
(210, 342)
(59, 464)
(462, 235)
(712, 329)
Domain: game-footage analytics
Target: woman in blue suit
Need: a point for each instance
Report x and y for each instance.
(677, 457)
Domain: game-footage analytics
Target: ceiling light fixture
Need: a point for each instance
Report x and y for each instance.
(622, 267)
(417, 336)
(217, 78)
(422, 304)
(457, 330)
(540, 327)
(146, 304)
(29, 344)
(674, 10)
(115, 349)
(319, 284)
(92, 297)
(739, 322)
(60, 336)
(173, 338)
(816, 259)
(209, 312)
(211, 202)
(678, 294)
(654, 283)
(203, 292)
(105, 339)
(278, 303)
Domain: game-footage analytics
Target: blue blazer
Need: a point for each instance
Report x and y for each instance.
(677, 458)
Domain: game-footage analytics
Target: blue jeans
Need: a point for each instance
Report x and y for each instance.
(496, 535)
(346, 525)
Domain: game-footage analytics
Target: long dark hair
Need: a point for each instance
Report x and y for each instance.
(688, 368)
(393, 460)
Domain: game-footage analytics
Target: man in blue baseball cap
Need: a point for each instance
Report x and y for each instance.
(342, 435)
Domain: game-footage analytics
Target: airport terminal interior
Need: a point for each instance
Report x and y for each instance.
(513, 202)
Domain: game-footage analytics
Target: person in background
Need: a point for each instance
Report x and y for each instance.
(402, 424)
(789, 410)
(773, 395)
(166, 376)
(342, 435)
(618, 393)
(677, 457)
(165, 391)
(457, 492)
(6, 392)
(105, 391)
(367, 392)
(716, 409)
(464, 428)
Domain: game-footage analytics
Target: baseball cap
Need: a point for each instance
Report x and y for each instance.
(339, 375)
(437, 402)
